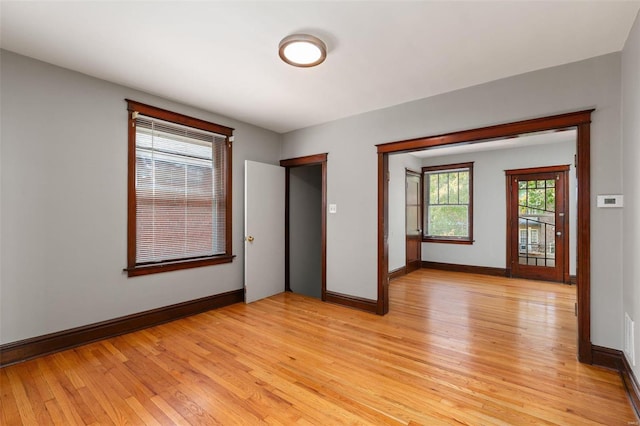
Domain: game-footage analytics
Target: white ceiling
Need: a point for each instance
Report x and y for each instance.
(222, 56)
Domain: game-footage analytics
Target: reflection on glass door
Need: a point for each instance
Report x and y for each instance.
(538, 223)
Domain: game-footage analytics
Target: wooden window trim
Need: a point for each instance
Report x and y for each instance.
(135, 269)
(448, 240)
(468, 240)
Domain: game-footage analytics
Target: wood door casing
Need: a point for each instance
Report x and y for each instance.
(413, 220)
(309, 160)
(538, 223)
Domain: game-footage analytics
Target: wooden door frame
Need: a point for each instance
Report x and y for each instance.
(581, 120)
(309, 160)
(511, 252)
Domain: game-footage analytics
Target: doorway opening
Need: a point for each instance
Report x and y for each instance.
(580, 121)
(305, 225)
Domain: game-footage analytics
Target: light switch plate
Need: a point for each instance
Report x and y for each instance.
(609, 201)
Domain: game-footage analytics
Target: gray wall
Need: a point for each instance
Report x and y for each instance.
(489, 202)
(352, 171)
(305, 230)
(631, 164)
(63, 188)
(398, 163)
(64, 203)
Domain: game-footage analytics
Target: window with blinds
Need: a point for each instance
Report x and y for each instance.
(181, 198)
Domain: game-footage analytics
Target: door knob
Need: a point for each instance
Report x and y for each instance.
(558, 233)
(250, 238)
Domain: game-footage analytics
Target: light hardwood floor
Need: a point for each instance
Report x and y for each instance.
(454, 349)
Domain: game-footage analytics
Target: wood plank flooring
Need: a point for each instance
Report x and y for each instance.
(454, 349)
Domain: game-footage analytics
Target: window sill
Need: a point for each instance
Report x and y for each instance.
(447, 241)
(156, 268)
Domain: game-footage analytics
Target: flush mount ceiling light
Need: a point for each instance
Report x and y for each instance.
(302, 50)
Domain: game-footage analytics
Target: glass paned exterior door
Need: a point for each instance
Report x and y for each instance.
(537, 222)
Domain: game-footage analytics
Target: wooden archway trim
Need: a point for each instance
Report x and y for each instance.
(581, 120)
(491, 132)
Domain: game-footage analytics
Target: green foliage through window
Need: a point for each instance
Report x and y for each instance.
(536, 197)
(448, 197)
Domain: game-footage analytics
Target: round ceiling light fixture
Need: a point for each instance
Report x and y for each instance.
(302, 50)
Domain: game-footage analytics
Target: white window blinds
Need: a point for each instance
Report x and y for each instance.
(180, 191)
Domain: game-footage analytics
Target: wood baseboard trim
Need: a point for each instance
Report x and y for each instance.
(606, 357)
(351, 301)
(616, 360)
(398, 272)
(15, 352)
(483, 270)
(631, 385)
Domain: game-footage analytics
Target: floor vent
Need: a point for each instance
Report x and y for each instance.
(629, 348)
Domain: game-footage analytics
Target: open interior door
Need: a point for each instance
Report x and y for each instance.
(413, 216)
(264, 208)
